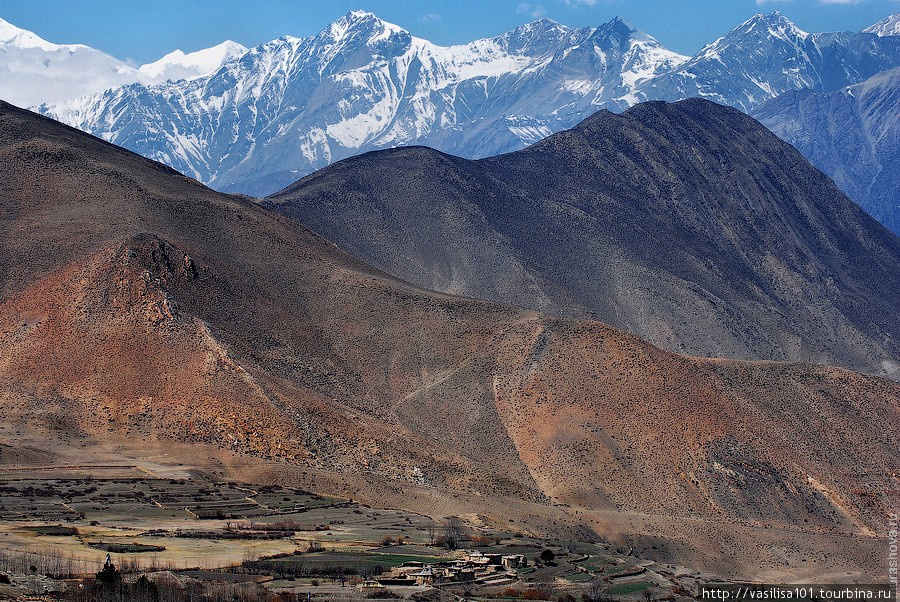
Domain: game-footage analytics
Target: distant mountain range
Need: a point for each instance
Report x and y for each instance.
(35, 71)
(688, 224)
(852, 134)
(767, 56)
(293, 105)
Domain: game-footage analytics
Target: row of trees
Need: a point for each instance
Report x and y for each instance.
(450, 534)
(293, 568)
(110, 585)
(50, 563)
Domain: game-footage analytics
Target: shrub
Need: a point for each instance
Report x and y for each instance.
(144, 590)
(384, 594)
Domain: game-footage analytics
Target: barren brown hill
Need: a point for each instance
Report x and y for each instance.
(688, 224)
(141, 307)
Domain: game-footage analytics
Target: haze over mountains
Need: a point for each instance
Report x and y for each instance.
(267, 340)
(35, 71)
(852, 134)
(293, 105)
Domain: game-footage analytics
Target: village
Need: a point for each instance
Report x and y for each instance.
(474, 568)
(233, 541)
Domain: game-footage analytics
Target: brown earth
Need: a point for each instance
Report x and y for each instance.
(142, 310)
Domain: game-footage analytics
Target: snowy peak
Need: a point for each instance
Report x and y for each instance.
(619, 26)
(622, 34)
(22, 38)
(889, 26)
(178, 65)
(542, 26)
(358, 27)
(536, 37)
(775, 20)
(763, 27)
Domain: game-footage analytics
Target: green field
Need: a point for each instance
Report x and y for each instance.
(354, 560)
(629, 588)
(580, 577)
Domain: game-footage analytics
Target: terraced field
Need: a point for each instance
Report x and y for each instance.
(185, 522)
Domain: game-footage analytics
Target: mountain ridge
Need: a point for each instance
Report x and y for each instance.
(852, 134)
(768, 55)
(652, 220)
(446, 97)
(889, 26)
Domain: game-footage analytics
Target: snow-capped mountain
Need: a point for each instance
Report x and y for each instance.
(292, 105)
(768, 55)
(889, 26)
(178, 65)
(35, 71)
(852, 134)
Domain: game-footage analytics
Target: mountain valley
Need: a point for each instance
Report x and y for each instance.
(555, 314)
(276, 351)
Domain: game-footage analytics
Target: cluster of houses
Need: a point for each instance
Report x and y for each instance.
(474, 566)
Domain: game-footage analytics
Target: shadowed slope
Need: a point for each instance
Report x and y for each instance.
(143, 307)
(852, 134)
(688, 224)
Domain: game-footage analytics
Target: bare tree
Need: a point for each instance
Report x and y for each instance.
(453, 532)
(598, 591)
(468, 588)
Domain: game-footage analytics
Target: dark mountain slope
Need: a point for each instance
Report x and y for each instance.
(688, 224)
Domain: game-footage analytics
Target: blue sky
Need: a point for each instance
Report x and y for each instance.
(144, 31)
